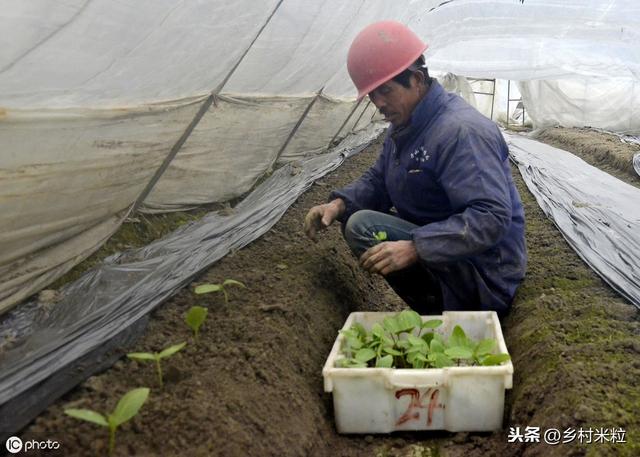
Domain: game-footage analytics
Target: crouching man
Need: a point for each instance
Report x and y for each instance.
(441, 189)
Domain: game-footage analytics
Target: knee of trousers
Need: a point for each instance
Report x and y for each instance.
(356, 231)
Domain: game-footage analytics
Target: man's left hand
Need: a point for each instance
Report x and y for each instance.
(389, 256)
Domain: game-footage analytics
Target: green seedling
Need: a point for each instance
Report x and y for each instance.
(195, 318)
(380, 236)
(127, 407)
(208, 288)
(405, 341)
(157, 357)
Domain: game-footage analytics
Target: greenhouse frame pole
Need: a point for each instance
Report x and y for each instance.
(353, 110)
(362, 114)
(196, 120)
(297, 126)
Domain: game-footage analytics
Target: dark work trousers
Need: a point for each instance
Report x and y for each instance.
(416, 285)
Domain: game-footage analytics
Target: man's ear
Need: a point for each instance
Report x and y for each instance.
(419, 78)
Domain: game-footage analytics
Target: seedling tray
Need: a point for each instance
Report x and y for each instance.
(459, 398)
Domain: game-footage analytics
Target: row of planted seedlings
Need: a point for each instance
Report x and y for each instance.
(130, 403)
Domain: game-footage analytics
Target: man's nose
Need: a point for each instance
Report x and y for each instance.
(377, 100)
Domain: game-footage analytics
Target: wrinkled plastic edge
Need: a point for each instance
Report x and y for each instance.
(22, 409)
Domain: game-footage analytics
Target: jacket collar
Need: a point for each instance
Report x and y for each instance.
(424, 111)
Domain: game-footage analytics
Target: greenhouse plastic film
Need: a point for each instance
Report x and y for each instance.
(141, 52)
(38, 340)
(68, 180)
(319, 126)
(234, 144)
(598, 214)
(610, 103)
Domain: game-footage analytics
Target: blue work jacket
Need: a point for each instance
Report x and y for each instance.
(448, 172)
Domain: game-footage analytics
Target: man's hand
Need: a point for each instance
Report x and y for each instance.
(389, 256)
(322, 216)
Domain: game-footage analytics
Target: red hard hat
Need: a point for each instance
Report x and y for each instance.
(381, 51)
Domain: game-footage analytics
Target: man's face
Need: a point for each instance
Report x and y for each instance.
(396, 102)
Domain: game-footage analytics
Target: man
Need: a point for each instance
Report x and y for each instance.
(441, 189)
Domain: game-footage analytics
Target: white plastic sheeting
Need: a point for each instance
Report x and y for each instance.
(66, 183)
(609, 104)
(598, 214)
(586, 48)
(100, 53)
(531, 39)
(220, 160)
(83, 81)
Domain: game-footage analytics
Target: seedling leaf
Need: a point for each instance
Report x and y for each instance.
(390, 324)
(442, 360)
(171, 350)
(495, 359)
(459, 352)
(354, 342)
(427, 337)
(417, 342)
(402, 344)
(141, 356)
(350, 363)
(436, 346)
(416, 349)
(365, 354)
(87, 415)
(390, 350)
(432, 323)
(207, 288)
(232, 282)
(484, 347)
(349, 333)
(377, 330)
(384, 362)
(360, 330)
(409, 319)
(420, 357)
(129, 405)
(388, 341)
(458, 337)
(195, 318)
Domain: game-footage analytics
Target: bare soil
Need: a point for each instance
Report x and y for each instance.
(253, 385)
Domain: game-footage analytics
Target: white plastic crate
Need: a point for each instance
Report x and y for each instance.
(383, 400)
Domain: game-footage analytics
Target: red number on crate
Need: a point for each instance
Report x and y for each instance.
(416, 404)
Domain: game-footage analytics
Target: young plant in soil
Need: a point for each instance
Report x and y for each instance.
(126, 409)
(380, 236)
(208, 288)
(399, 342)
(157, 357)
(195, 318)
